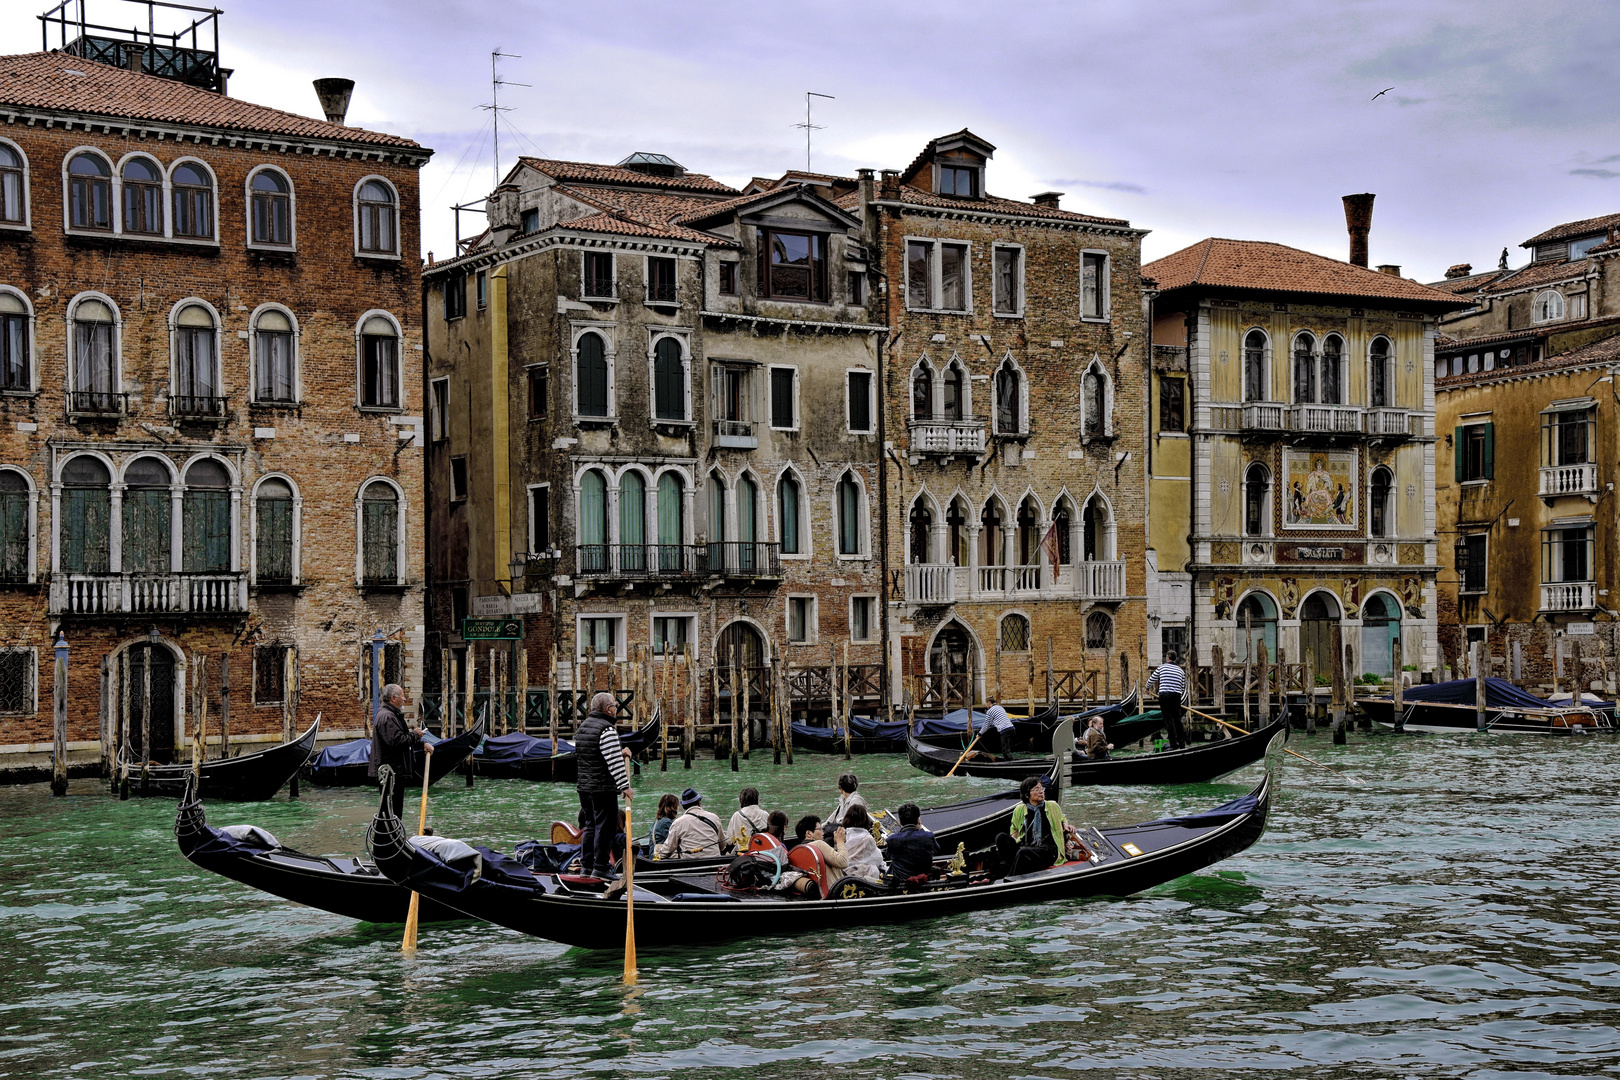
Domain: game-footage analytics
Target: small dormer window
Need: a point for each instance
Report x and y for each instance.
(1579, 248)
(958, 179)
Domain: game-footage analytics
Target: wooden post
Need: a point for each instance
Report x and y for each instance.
(746, 721)
(998, 677)
(224, 703)
(849, 709)
(291, 681)
(1248, 655)
(1108, 686)
(1310, 690)
(1399, 708)
(1049, 671)
(59, 767)
(787, 711)
(121, 782)
(1217, 676)
(1516, 664)
(1479, 685)
(197, 721)
(146, 720)
(1124, 672)
(690, 686)
(1282, 678)
(735, 703)
(108, 718)
(714, 705)
(1577, 674)
(1337, 672)
(773, 712)
(1265, 685)
(666, 704)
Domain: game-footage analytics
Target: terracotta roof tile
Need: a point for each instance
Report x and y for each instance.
(1541, 273)
(585, 172)
(1463, 286)
(47, 81)
(997, 205)
(1540, 330)
(1572, 229)
(638, 213)
(1266, 267)
(1603, 351)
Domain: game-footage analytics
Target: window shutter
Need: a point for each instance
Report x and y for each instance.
(762, 242)
(14, 536)
(1490, 451)
(1457, 452)
(207, 540)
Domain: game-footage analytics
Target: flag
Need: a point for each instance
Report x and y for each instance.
(1050, 544)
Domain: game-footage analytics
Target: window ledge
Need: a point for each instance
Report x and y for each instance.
(596, 421)
(12, 226)
(383, 587)
(599, 300)
(1171, 434)
(1008, 314)
(20, 586)
(383, 256)
(666, 422)
(784, 430)
(19, 393)
(381, 409)
(662, 305)
(1095, 318)
(939, 311)
(273, 249)
(798, 558)
(276, 587)
(283, 406)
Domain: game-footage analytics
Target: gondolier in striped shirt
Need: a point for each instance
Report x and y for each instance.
(1171, 683)
(602, 779)
(998, 728)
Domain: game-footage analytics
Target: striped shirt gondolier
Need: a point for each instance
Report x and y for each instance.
(997, 718)
(1171, 679)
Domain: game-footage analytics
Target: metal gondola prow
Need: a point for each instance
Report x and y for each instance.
(1062, 755)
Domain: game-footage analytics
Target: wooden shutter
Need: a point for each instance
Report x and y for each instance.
(1457, 452)
(380, 553)
(1490, 451)
(274, 544)
(146, 531)
(206, 539)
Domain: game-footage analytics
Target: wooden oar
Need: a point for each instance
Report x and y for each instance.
(409, 944)
(629, 902)
(966, 752)
(1285, 749)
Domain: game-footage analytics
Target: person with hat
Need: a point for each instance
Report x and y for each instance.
(696, 833)
(602, 780)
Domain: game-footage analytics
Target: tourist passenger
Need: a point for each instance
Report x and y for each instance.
(602, 779)
(864, 859)
(1037, 831)
(392, 742)
(848, 796)
(668, 808)
(777, 825)
(835, 855)
(696, 834)
(1097, 744)
(911, 848)
(1170, 682)
(998, 729)
(749, 819)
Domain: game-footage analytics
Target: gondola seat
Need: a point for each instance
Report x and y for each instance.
(564, 833)
(808, 859)
(251, 835)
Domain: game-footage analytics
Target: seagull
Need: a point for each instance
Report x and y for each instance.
(1381, 93)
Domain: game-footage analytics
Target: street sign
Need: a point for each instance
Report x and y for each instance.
(491, 629)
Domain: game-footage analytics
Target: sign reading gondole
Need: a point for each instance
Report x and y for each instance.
(1320, 491)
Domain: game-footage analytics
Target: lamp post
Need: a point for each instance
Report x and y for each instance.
(517, 674)
(59, 743)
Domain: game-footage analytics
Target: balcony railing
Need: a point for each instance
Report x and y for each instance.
(1387, 423)
(744, 558)
(660, 292)
(935, 583)
(1265, 416)
(942, 435)
(198, 406)
(96, 403)
(1569, 479)
(143, 594)
(598, 289)
(1569, 596)
(1327, 419)
(1099, 580)
(930, 583)
(735, 434)
(671, 561)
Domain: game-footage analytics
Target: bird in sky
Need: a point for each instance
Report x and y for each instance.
(1381, 93)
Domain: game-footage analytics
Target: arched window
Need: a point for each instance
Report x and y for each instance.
(955, 392)
(956, 533)
(143, 197)
(921, 532)
(206, 538)
(148, 523)
(1378, 519)
(1029, 533)
(85, 524)
(1095, 530)
(1094, 402)
(591, 376)
(193, 201)
(1333, 370)
(1254, 366)
(90, 193)
(669, 380)
(271, 210)
(275, 379)
(632, 523)
(1304, 368)
(849, 516)
(1257, 622)
(1548, 306)
(1063, 522)
(16, 352)
(1014, 633)
(379, 234)
(1009, 403)
(788, 511)
(15, 530)
(593, 524)
(1380, 383)
(13, 190)
(922, 393)
(379, 363)
(747, 496)
(196, 365)
(379, 535)
(992, 544)
(273, 562)
(1380, 629)
(718, 532)
(1099, 630)
(95, 359)
(671, 522)
(1256, 490)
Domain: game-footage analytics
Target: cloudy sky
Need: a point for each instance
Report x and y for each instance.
(1239, 118)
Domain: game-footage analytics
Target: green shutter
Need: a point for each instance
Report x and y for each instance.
(206, 539)
(146, 531)
(1490, 451)
(14, 536)
(274, 546)
(380, 541)
(1457, 452)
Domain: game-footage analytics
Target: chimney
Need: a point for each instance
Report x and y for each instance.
(1460, 270)
(1358, 218)
(135, 57)
(1048, 199)
(890, 185)
(1389, 268)
(334, 95)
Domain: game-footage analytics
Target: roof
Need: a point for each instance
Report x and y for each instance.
(994, 204)
(64, 83)
(1539, 273)
(925, 156)
(1573, 229)
(1262, 266)
(707, 210)
(1467, 285)
(1446, 344)
(1603, 351)
(587, 173)
(651, 214)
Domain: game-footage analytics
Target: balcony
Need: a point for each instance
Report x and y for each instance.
(661, 292)
(1389, 423)
(735, 435)
(743, 559)
(96, 403)
(598, 289)
(149, 594)
(1559, 480)
(1265, 416)
(669, 562)
(1326, 419)
(947, 437)
(1569, 596)
(198, 407)
(932, 583)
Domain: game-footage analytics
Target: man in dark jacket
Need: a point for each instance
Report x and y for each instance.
(393, 742)
(602, 779)
(911, 848)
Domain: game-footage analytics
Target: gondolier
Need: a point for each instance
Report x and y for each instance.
(393, 741)
(602, 779)
(1171, 683)
(998, 728)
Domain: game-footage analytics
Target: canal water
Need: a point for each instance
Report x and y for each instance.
(1452, 914)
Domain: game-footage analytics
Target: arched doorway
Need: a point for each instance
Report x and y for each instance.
(922, 527)
(143, 659)
(740, 656)
(1317, 617)
(1380, 629)
(951, 666)
(1256, 623)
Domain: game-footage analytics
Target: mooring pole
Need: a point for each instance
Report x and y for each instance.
(59, 770)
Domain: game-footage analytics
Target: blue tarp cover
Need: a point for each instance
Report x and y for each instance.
(353, 752)
(1499, 694)
(519, 747)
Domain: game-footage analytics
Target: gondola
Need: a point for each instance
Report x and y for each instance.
(246, 778)
(692, 909)
(520, 756)
(340, 884)
(867, 735)
(1193, 765)
(1449, 708)
(349, 764)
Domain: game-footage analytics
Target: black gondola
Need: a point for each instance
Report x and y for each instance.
(519, 756)
(1194, 765)
(689, 910)
(1449, 708)
(247, 778)
(340, 884)
(868, 735)
(348, 765)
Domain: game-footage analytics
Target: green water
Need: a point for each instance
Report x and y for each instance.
(1452, 915)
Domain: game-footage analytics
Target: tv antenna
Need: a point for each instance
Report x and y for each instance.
(495, 108)
(808, 126)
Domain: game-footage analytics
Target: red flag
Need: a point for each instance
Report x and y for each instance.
(1050, 543)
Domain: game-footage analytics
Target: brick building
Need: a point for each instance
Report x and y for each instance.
(211, 361)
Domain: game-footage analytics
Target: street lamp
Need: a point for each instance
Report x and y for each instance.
(515, 568)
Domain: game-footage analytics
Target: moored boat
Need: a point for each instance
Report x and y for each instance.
(245, 778)
(1449, 708)
(520, 756)
(348, 764)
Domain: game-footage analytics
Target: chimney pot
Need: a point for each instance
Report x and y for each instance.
(334, 95)
(1460, 270)
(135, 57)
(1358, 211)
(1047, 198)
(1391, 269)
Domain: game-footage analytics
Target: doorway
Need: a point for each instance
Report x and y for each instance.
(1317, 617)
(157, 660)
(951, 667)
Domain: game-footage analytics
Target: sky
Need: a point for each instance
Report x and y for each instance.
(1241, 118)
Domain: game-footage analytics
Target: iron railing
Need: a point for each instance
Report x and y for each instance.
(661, 292)
(598, 288)
(97, 403)
(198, 406)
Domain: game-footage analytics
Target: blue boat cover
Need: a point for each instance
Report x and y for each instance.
(519, 747)
(1499, 694)
(1243, 804)
(353, 752)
